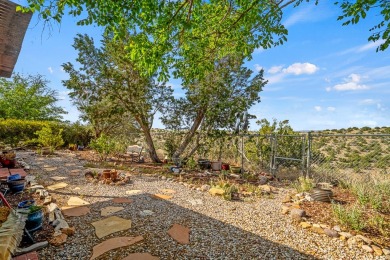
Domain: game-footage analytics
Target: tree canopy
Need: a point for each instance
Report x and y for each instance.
(182, 38)
(28, 98)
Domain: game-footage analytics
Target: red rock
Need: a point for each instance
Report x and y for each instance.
(180, 233)
(58, 240)
(114, 243)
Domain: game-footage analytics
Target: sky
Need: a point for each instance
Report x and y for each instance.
(326, 76)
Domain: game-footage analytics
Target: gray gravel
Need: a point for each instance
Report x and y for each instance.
(219, 229)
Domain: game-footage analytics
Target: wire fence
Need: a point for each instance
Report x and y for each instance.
(322, 156)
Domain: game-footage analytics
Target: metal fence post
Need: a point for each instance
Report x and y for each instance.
(308, 154)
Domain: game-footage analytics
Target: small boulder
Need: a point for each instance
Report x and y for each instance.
(377, 250)
(69, 231)
(305, 225)
(297, 213)
(287, 199)
(216, 191)
(331, 232)
(337, 228)
(317, 230)
(285, 210)
(386, 251)
(364, 239)
(367, 248)
(346, 234)
(58, 240)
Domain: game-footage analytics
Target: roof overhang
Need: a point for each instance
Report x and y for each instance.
(13, 26)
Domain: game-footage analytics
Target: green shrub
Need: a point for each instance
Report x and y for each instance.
(350, 217)
(103, 146)
(48, 138)
(303, 184)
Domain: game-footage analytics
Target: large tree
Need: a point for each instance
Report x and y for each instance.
(179, 38)
(28, 97)
(106, 76)
(215, 101)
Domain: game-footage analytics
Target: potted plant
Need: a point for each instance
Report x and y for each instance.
(235, 169)
(216, 165)
(34, 218)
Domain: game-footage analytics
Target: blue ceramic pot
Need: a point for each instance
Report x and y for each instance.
(34, 221)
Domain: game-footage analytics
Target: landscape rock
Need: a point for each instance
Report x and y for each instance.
(216, 191)
(266, 188)
(69, 231)
(287, 199)
(162, 196)
(365, 239)
(263, 180)
(285, 210)
(367, 248)
(346, 234)
(305, 225)
(378, 251)
(110, 225)
(114, 243)
(331, 232)
(58, 240)
(76, 201)
(205, 187)
(47, 200)
(317, 230)
(57, 186)
(297, 213)
(337, 228)
(351, 241)
(76, 211)
(386, 251)
(180, 233)
(61, 225)
(51, 207)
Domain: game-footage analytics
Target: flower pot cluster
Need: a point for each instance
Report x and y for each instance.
(15, 183)
(34, 215)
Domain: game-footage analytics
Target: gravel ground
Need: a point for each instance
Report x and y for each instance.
(219, 229)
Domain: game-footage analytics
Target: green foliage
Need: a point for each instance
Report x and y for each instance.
(351, 217)
(303, 184)
(103, 145)
(191, 163)
(354, 11)
(182, 38)
(49, 138)
(28, 98)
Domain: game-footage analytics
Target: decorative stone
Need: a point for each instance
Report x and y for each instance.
(337, 228)
(69, 231)
(180, 233)
(162, 196)
(58, 240)
(297, 213)
(114, 243)
(365, 239)
(140, 256)
(122, 200)
(57, 186)
(76, 201)
(47, 200)
(133, 192)
(286, 199)
(346, 234)
(110, 210)
(51, 207)
(58, 178)
(367, 248)
(331, 232)
(351, 241)
(205, 187)
(76, 211)
(110, 225)
(377, 250)
(386, 251)
(266, 188)
(305, 225)
(216, 191)
(285, 210)
(317, 230)
(61, 225)
(324, 226)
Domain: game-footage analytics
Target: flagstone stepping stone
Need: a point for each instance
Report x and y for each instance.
(133, 192)
(114, 243)
(122, 200)
(70, 164)
(162, 196)
(76, 201)
(180, 233)
(107, 211)
(50, 169)
(46, 166)
(57, 186)
(195, 202)
(75, 211)
(145, 213)
(169, 191)
(77, 188)
(141, 256)
(58, 178)
(110, 225)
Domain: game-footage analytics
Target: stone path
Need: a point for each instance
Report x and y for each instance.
(167, 220)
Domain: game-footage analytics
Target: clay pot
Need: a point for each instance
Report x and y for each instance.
(216, 166)
(106, 174)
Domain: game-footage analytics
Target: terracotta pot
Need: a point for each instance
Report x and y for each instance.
(225, 167)
(113, 175)
(106, 174)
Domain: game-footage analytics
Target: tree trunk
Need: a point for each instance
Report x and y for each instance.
(149, 141)
(187, 139)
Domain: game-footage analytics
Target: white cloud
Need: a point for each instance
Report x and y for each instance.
(301, 68)
(50, 69)
(370, 46)
(258, 67)
(361, 123)
(351, 83)
(275, 69)
(258, 50)
(331, 109)
(367, 101)
(318, 108)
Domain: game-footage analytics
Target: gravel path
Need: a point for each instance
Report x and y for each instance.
(219, 229)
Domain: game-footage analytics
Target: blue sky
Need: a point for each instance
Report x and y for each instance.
(325, 76)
